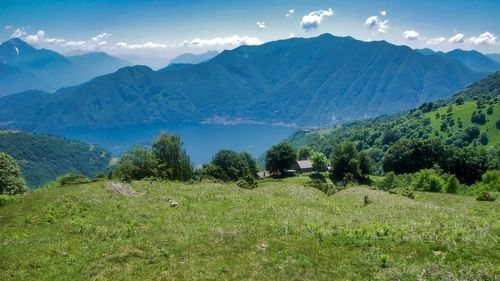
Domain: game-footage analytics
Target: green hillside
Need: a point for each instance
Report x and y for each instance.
(450, 121)
(44, 157)
(279, 231)
(464, 112)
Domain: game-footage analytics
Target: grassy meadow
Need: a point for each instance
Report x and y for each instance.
(282, 230)
(464, 113)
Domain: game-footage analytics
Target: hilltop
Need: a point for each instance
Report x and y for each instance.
(280, 231)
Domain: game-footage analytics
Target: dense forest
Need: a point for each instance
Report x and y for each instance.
(43, 158)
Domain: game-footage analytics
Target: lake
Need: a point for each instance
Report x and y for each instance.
(201, 141)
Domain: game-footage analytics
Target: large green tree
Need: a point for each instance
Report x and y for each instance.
(136, 164)
(345, 159)
(280, 157)
(174, 163)
(320, 161)
(233, 165)
(11, 179)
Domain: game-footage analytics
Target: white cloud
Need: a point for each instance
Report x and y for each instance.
(18, 33)
(290, 13)
(148, 45)
(261, 25)
(457, 38)
(382, 25)
(383, 13)
(313, 19)
(411, 35)
(291, 35)
(234, 40)
(436, 41)
(8, 27)
(371, 21)
(485, 38)
(94, 43)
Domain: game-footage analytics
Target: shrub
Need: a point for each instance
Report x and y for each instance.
(323, 186)
(392, 181)
(428, 180)
(452, 184)
(100, 177)
(11, 179)
(70, 179)
(247, 183)
(486, 196)
(6, 199)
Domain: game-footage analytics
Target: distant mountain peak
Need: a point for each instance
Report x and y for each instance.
(17, 47)
(189, 58)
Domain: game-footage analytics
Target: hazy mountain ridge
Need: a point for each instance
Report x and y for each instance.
(475, 60)
(308, 82)
(189, 58)
(41, 69)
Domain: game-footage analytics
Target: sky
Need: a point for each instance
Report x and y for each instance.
(153, 32)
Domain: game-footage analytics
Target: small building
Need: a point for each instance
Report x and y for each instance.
(304, 166)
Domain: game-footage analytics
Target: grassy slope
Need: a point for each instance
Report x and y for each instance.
(464, 112)
(279, 231)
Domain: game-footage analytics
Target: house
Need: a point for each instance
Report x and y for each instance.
(303, 166)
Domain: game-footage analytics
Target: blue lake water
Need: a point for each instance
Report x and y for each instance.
(201, 141)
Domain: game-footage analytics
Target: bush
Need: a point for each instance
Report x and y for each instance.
(404, 191)
(452, 184)
(485, 196)
(323, 186)
(11, 179)
(492, 178)
(428, 180)
(247, 183)
(392, 181)
(6, 199)
(100, 177)
(70, 179)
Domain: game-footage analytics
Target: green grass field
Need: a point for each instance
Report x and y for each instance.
(464, 112)
(281, 230)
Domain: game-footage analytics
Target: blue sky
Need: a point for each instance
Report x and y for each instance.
(152, 32)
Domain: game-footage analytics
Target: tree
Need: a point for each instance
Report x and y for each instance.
(280, 157)
(251, 162)
(233, 165)
(174, 163)
(452, 184)
(459, 100)
(478, 117)
(304, 153)
(345, 159)
(483, 139)
(409, 156)
(11, 178)
(136, 164)
(471, 133)
(320, 161)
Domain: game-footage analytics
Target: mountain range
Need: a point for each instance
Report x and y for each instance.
(23, 67)
(189, 58)
(473, 59)
(298, 81)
